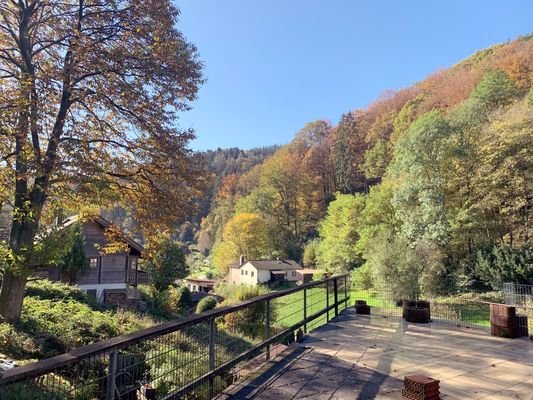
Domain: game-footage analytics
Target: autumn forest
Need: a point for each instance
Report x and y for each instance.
(437, 178)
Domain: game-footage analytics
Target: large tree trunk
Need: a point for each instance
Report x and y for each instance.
(11, 296)
(21, 240)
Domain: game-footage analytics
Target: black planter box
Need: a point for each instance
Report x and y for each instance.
(362, 309)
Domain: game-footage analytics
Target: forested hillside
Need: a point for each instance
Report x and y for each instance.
(221, 164)
(435, 179)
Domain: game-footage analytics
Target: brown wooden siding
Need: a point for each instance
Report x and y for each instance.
(113, 269)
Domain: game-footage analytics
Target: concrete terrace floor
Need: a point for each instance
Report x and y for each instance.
(362, 357)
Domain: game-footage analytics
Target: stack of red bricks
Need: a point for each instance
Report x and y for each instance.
(420, 387)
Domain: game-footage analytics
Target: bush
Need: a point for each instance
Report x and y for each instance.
(57, 317)
(362, 277)
(17, 344)
(251, 320)
(206, 304)
(503, 263)
(179, 299)
(48, 290)
(406, 271)
(72, 323)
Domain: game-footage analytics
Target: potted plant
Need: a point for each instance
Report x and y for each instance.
(417, 311)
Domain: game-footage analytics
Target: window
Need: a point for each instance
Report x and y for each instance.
(242, 271)
(252, 274)
(93, 262)
(293, 273)
(245, 272)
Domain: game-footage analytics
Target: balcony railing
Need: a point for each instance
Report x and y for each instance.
(138, 277)
(197, 356)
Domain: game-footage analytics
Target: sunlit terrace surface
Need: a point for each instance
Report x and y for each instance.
(367, 357)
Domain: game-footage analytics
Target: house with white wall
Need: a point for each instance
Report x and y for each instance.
(255, 272)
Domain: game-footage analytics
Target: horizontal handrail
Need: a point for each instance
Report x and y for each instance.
(79, 354)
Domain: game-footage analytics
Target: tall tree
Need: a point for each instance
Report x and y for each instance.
(246, 235)
(89, 93)
(165, 262)
(419, 166)
(338, 234)
(342, 155)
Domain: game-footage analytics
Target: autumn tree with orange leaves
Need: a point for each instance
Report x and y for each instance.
(89, 96)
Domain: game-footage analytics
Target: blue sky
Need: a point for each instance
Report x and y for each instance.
(274, 65)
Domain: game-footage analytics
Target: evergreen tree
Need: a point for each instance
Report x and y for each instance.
(495, 89)
(74, 262)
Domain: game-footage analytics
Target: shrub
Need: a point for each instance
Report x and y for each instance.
(62, 325)
(17, 344)
(406, 271)
(48, 290)
(206, 304)
(503, 263)
(362, 277)
(179, 299)
(251, 320)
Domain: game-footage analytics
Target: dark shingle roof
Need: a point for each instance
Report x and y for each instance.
(275, 265)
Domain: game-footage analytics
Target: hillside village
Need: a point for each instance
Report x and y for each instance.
(133, 267)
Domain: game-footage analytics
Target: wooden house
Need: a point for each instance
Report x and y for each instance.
(112, 278)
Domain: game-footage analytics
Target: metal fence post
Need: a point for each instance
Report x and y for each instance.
(111, 376)
(305, 310)
(212, 355)
(336, 296)
(327, 301)
(345, 292)
(268, 329)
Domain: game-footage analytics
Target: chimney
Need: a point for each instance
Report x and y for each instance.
(241, 260)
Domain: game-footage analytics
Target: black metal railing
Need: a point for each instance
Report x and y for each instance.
(194, 357)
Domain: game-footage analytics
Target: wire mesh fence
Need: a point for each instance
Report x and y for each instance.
(518, 294)
(192, 358)
(464, 305)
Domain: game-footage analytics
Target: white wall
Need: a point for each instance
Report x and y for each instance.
(291, 275)
(248, 274)
(264, 276)
(101, 287)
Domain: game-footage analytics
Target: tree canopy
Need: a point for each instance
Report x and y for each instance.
(89, 98)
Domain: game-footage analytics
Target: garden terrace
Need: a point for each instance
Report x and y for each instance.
(367, 357)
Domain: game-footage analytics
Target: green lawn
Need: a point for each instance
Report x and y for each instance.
(289, 309)
(457, 309)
